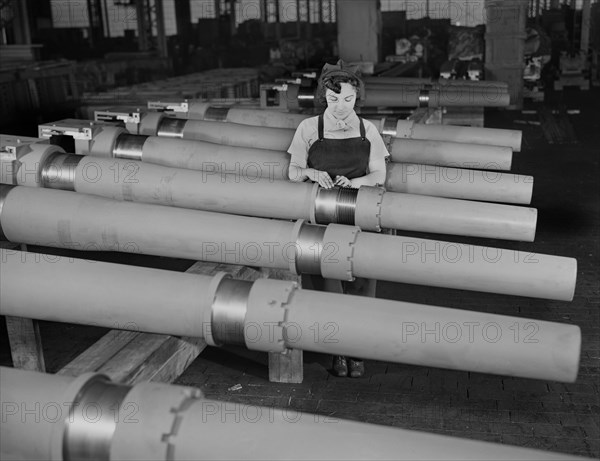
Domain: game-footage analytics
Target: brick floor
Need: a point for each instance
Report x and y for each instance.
(523, 412)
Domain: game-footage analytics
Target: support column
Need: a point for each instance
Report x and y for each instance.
(308, 26)
(359, 29)
(320, 15)
(277, 21)
(106, 17)
(144, 36)
(95, 18)
(505, 45)
(232, 18)
(21, 23)
(161, 37)
(264, 17)
(298, 21)
(183, 18)
(585, 26)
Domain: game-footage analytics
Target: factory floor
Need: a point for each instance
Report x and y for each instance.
(561, 150)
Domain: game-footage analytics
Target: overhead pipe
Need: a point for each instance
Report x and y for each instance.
(64, 219)
(113, 141)
(275, 315)
(89, 417)
(373, 208)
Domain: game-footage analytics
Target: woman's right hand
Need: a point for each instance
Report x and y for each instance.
(323, 178)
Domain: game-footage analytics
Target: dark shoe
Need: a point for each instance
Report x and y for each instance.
(340, 366)
(357, 368)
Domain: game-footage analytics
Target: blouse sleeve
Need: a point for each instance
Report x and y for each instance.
(300, 145)
(378, 147)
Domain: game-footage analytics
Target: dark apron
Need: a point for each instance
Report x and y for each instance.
(344, 157)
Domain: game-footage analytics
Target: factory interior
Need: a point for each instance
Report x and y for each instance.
(169, 290)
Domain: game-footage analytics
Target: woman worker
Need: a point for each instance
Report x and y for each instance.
(339, 149)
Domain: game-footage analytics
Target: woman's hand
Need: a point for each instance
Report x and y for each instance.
(342, 181)
(323, 178)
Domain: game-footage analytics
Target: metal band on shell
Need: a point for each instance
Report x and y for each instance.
(171, 127)
(389, 126)
(346, 206)
(4, 190)
(309, 248)
(216, 114)
(228, 311)
(129, 146)
(337, 205)
(58, 171)
(90, 427)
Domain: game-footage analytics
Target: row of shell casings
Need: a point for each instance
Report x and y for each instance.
(370, 208)
(209, 154)
(81, 221)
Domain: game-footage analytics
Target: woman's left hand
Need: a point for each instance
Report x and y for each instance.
(342, 181)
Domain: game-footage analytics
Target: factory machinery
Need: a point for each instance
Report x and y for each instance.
(150, 185)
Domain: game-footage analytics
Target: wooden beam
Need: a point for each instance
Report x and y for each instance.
(24, 334)
(287, 367)
(25, 343)
(99, 353)
(131, 357)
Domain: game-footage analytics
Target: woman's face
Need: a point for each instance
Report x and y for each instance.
(341, 105)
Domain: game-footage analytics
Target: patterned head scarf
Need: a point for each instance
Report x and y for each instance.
(333, 75)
